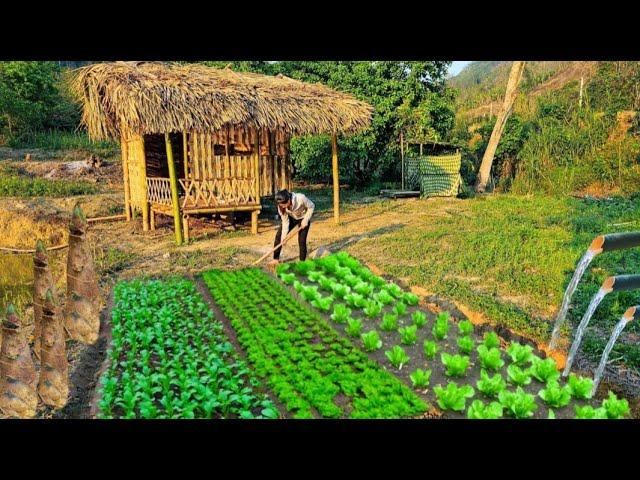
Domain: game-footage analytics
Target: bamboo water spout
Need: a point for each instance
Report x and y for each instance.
(602, 243)
(611, 284)
(18, 379)
(632, 313)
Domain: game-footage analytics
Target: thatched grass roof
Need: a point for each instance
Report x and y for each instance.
(152, 97)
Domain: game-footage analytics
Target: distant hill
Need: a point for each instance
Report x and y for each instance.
(481, 85)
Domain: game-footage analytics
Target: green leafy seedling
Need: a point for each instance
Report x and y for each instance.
(453, 397)
(341, 313)
(419, 319)
(363, 288)
(479, 411)
(408, 335)
(518, 375)
(544, 370)
(490, 358)
(580, 387)
(354, 327)
(384, 297)
(410, 299)
(430, 349)
(491, 340)
(587, 412)
(455, 365)
(389, 322)
(323, 304)
(340, 290)
(465, 345)
(519, 403)
(490, 386)
(554, 395)
(397, 356)
(520, 354)
(420, 378)
(465, 327)
(616, 408)
(288, 278)
(441, 326)
(400, 308)
(394, 290)
(371, 341)
(372, 309)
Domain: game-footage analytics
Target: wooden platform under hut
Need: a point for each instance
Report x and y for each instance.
(200, 140)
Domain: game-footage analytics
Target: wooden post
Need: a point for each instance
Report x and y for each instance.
(175, 201)
(185, 154)
(421, 149)
(402, 159)
(254, 221)
(185, 222)
(125, 177)
(336, 179)
(257, 167)
(145, 201)
(581, 85)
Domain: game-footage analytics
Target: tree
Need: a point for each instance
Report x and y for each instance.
(509, 98)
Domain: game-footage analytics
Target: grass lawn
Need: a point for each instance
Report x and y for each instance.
(511, 257)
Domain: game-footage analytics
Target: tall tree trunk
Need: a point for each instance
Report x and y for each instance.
(509, 98)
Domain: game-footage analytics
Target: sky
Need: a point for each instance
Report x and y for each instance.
(456, 67)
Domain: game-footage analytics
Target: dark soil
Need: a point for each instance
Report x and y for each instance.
(449, 345)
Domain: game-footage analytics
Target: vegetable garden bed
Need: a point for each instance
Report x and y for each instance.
(448, 362)
(169, 358)
(313, 370)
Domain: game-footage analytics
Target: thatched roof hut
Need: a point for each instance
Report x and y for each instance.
(221, 128)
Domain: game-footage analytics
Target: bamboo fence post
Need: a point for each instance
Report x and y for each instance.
(145, 201)
(336, 180)
(174, 190)
(185, 154)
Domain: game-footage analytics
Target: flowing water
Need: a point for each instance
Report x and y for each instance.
(595, 301)
(571, 288)
(607, 350)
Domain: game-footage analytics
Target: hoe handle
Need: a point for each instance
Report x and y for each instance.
(289, 235)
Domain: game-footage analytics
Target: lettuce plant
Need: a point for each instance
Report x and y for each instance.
(520, 354)
(490, 358)
(354, 327)
(355, 300)
(371, 341)
(372, 309)
(580, 386)
(420, 378)
(323, 304)
(340, 290)
(389, 322)
(616, 408)
(341, 313)
(394, 289)
(479, 411)
(519, 403)
(326, 283)
(491, 340)
(441, 326)
(400, 308)
(288, 278)
(465, 327)
(455, 365)
(554, 395)
(408, 334)
(453, 397)
(519, 376)
(384, 297)
(310, 293)
(342, 272)
(283, 268)
(410, 299)
(490, 386)
(397, 356)
(465, 345)
(589, 413)
(430, 349)
(363, 288)
(419, 319)
(551, 415)
(544, 370)
(315, 275)
(304, 267)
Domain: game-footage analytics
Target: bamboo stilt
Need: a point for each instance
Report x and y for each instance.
(254, 221)
(174, 190)
(336, 180)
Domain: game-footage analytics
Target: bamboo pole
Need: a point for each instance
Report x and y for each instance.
(125, 177)
(336, 179)
(185, 154)
(145, 202)
(174, 190)
(257, 167)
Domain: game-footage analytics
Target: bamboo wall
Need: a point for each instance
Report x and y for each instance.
(137, 172)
